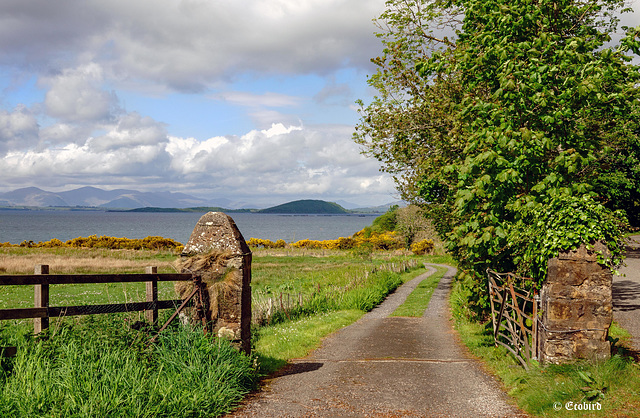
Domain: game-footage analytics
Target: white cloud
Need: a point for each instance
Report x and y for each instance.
(18, 129)
(74, 129)
(268, 99)
(190, 44)
(282, 161)
(76, 95)
(131, 131)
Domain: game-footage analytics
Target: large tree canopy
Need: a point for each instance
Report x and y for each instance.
(489, 109)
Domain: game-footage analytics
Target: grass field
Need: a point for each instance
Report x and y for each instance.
(99, 366)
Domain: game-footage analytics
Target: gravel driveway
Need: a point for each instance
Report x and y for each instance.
(384, 366)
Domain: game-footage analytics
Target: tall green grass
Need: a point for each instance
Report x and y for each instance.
(99, 367)
(371, 294)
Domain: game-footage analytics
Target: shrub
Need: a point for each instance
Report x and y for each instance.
(387, 221)
(565, 223)
(345, 243)
(389, 240)
(266, 243)
(93, 241)
(422, 247)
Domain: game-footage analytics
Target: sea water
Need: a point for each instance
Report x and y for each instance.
(17, 226)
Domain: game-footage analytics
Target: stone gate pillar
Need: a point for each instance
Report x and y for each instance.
(577, 307)
(218, 252)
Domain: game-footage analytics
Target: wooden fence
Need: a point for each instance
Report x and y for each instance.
(514, 313)
(41, 280)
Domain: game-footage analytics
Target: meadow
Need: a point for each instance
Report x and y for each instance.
(99, 365)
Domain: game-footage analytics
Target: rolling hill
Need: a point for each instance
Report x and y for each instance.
(307, 207)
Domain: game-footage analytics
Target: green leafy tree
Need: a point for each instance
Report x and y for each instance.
(386, 221)
(489, 109)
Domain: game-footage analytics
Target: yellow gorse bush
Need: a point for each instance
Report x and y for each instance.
(422, 247)
(375, 240)
(113, 243)
(266, 243)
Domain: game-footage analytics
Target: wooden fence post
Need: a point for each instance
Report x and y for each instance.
(152, 296)
(41, 299)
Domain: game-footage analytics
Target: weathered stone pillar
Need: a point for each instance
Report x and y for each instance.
(577, 307)
(217, 251)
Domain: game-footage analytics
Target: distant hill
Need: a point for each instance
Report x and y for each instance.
(199, 209)
(307, 207)
(381, 208)
(32, 196)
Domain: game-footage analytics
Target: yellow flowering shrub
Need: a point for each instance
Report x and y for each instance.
(307, 243)
(375, 240)
(422, 247)
(387, 240)
(266, 243)
(113, 243)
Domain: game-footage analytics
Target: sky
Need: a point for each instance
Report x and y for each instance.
(251, 101)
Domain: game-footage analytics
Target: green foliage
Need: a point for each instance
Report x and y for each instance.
(524, 106)
(387, 221)
(414, 225)
(564, 224)
(594, 388)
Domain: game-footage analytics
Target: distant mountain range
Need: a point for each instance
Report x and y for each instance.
(93, 197)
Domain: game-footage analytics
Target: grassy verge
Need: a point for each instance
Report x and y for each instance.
(417, 302)
(614, 385)
(277, 344)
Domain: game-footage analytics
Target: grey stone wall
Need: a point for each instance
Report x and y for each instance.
(576, 307)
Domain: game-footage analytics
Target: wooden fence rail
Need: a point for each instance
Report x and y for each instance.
(41, 280)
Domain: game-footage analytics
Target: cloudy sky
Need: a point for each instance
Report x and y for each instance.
(248, 100)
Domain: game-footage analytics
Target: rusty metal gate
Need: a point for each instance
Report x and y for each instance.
(514, 313)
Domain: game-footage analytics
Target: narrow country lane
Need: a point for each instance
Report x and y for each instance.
(387, 367)
(626, 294)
